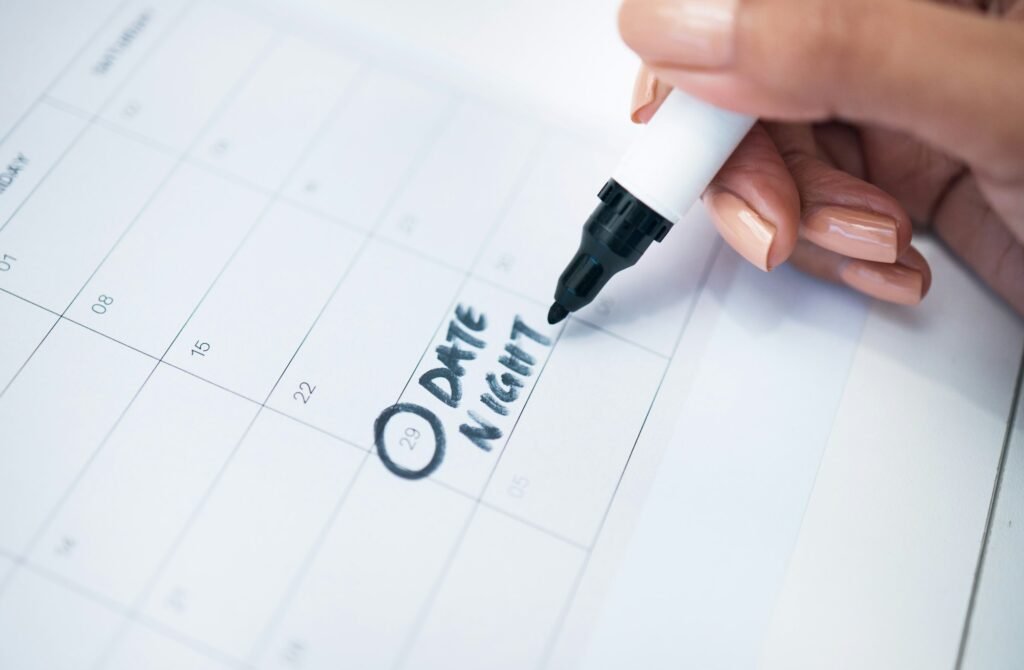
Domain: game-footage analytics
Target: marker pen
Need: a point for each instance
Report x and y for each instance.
(660, 177)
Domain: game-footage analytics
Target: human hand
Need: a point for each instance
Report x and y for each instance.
(889, 114)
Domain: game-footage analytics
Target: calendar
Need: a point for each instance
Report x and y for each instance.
(277, 389)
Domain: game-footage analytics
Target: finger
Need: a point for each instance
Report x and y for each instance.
(839, 145)
(970, 228)
(905, 282)
(754, 202)
(913, 172)
(648, 94)
(927, 69)
(839, 211)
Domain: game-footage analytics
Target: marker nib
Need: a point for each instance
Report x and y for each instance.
(557, 313)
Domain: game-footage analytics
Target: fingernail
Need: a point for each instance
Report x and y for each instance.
(913, 259)
(742, 227)
(854, 233)
(645, 91)
(890, 282)
(682, 33)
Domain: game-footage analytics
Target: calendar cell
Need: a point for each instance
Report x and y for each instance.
(145, 648)
(173, 95)
(53, 422)
(477, 378)
(372, 575)
(45, 626)
(365, 155)
(500, 560)
(446, 211)
(115, 52)
(366, 345)
(564, 460)
(63, 232)
(32, 150)
(148, 287)
(224, 582)
(279, 109)
(260, 309)
(140, 490)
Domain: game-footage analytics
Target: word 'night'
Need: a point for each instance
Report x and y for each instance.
(466, 341)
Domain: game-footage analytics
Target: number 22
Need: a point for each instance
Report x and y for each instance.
(304, 393)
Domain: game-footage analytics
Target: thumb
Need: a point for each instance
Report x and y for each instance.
(949, 76)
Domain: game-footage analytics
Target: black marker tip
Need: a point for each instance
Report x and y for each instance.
(557, 313)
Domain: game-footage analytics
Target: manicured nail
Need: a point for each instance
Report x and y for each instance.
(913, 259)
(854, 233)
(644, 92)
(890, 282)
(682, 33)
(742, 227)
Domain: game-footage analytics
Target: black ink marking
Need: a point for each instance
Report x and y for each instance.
(453, 395)
(520, 328)
(465, 315)
(456, 333)
(482, 433)
(496, 406)
(445, 383)
(512, 385)
(381, 424)
(450, 356)
(517, 360)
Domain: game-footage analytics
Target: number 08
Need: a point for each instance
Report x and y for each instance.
(102, 303)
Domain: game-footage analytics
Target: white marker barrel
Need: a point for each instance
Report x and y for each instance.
(679, 152)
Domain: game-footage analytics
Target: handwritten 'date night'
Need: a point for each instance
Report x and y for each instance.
(465, 341)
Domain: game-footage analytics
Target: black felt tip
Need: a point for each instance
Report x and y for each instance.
(557, 313)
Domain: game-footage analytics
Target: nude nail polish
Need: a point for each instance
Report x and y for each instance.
(682, 33)
(854, 233)
(890, 282)
(645, 91)
(742, 227)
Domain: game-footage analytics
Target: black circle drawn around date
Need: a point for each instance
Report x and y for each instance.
(435, 425)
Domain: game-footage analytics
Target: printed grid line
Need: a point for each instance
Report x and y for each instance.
(427, 606)
(263, 642)
(362, 448)
(197, 511)
(350, 225)
(135, 611)
(169, 30)
(560, 621)
(197, 645)
(37, 536)
(20, 562)
(93, 118)
(101, 600)
(117, 89)
(990, 517)
(132, 614)
(346, 441)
